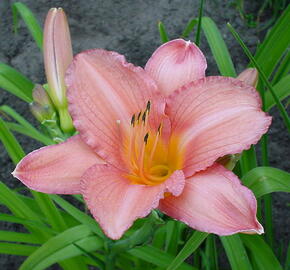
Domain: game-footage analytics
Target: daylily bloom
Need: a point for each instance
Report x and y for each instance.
(149, 138)
(58, 55)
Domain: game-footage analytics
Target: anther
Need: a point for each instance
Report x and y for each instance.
(139, 115)
(148, 106)
(144, 117)
(146, 137)
(133, 120)
(159, 128)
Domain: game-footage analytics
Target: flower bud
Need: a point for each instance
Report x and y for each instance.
(229, 161)
(40, 96)
(42, 112)
(249, 76)
(57, 57)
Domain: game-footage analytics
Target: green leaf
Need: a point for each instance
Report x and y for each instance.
(19, 237)
(248, 160)
(10, 143)
(173, 234)
(159, 237)
(78, 215)
(283, 68)
(236, 252)
(275, 44)
(265, 180)
(189, 27)
(218, 47)
(261, 252)
(51, 212)
(211, 254)
(198, 31)
(162, 32)
(34, 224)
(15, 204)
(282, 90)
(191, 245)
(15, 83)
(71, 251)
(30, 21)
(20, 209)
(94, 258)
(25, 125)
(157, 257)
(58, 248)
(33, 205)
(27, 132)
(16, 249)
(262, 76)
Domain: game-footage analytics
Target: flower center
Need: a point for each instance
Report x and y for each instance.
(149, 156)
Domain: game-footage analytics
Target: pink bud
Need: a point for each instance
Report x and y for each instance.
(249, 76)
(42, 112)
(57, 57)
(40, 96)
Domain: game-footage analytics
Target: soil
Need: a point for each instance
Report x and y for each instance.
(129, 27)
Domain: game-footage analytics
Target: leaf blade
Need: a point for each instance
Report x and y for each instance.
(218, 47)
(236, 252)
(14, 82)
(191, 245)
(262, 253)
(30, 21)
(265, 180)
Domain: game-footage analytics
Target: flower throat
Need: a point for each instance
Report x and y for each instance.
(147, 151)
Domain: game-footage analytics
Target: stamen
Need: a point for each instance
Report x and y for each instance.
(154, 146)
(132, 147)
(141, 159)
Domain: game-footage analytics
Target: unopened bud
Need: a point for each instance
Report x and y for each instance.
(229, 161)
(57, 57)
(249, 76)
(42, 112)
(40, 95)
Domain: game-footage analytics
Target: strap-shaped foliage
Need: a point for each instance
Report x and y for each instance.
(20, 9)
(265, 180)
(15, 83)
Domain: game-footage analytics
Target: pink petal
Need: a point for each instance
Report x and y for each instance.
(213, 117)
(175, 64)
(116, 204)
(104, 91)
(214, 201)
(57, 168)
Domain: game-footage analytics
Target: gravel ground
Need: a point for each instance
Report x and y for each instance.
(129, 27)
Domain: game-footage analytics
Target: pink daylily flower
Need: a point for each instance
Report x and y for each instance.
(149, 138)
